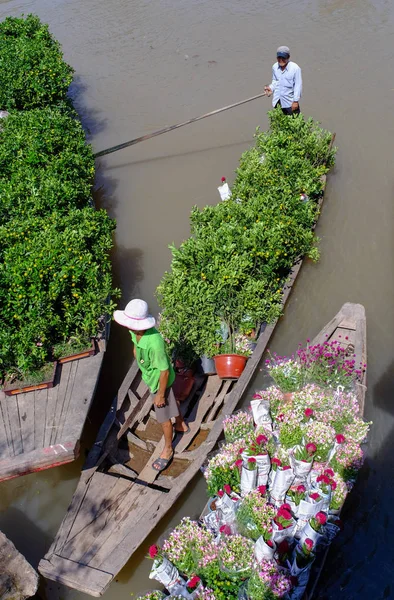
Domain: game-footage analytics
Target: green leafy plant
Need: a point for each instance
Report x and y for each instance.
(241, 251)
(33, 73)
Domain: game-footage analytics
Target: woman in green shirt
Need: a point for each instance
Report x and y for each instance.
(156, 370)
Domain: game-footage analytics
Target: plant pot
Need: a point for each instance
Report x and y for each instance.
(91, 351)
(19, 387)
(208, 365)
(183, 384)
(230, 366)
(287, 397)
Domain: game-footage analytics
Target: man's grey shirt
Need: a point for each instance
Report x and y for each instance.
(286, 85)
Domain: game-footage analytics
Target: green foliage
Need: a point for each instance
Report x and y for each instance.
(55, 273)
(234, 266)
(32, 71)
(45, 163)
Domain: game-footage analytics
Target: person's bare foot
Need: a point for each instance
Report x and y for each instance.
(181, 427)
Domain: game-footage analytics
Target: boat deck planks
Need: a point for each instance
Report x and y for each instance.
(42, 428)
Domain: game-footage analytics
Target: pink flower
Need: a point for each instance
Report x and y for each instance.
(251, 459)
(262, 489)
(329, 472)
(321, 518)
(301, 489)
(314, 496)
(269, 543)
(238, 463)
(281, 417)
(285, 514)
(261, 439)
(285, 467)
(285, 506)
(283, 547)
(193, 582)
(276, 461)
(225, 529)
(223, 179)
(323, 479)
(220, 493)
(333, 485)
(311, 448)
(308, 412)
(153, 551)
(340, 438)
(257, 396)
(227, 489)
(309, 544)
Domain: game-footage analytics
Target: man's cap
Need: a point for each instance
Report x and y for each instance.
(283, 52)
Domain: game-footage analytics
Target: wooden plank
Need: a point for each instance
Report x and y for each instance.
(68, 395)
(212, 391)
(40, 398)
(131, 375)
(26, 415)
(218, 401)
(38, 460)
(119, 469)
(65, 371)
(87, 580)
(15, 425)
(98, 488)
(50, 424)
(6, 448)
(133, 439)
(131, 514)
(83, 545)
(101, 436)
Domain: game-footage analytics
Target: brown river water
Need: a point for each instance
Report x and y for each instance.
(144, 64)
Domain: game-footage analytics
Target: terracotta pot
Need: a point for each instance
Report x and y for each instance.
(229, 366)
(183, 384)
(287, 397)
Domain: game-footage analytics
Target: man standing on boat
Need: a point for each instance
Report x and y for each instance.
(286, 85)
(156, 370)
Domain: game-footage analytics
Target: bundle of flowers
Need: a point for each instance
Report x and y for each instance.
(286, 372)
(238, 426)
(348, 460)
(236, 556)
(185, 543)
(268, 582)
(153, 595)
(221, 468)
(255, 515)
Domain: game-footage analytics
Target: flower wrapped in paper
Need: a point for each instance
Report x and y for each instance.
(314, 529)
(261, 410)
(255, 514)
(294, 495)
(301, 460)
(267, 581)
(238, 426)
(236, 554)
(283, 524)
(248, 475)
(282, 480)
(151, 595)
(300, 568)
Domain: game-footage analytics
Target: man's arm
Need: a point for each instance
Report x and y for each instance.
(271, 87)
(297, 88)
(159, 399)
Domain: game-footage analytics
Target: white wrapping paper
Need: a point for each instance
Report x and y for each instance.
(261, 412)
(263, 551)
(224, 191)
(279, 535)
(280, 484)
(309, 532)
(165, 572)
(248, 480)
(302, 576)
(301, 469)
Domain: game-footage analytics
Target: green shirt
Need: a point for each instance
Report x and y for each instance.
(152, 358)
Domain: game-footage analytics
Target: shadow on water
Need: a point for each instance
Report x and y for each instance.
(363, 554)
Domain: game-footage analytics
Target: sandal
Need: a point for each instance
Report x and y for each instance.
(162, 463)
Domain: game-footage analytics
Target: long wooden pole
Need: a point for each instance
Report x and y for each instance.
(172, 127)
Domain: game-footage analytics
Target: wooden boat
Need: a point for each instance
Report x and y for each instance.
(18, 579)
(42, 429)
(120, 499)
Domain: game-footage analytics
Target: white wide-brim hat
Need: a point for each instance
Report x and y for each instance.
(135, 316)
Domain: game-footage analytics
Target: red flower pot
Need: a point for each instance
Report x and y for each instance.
(229, 366)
